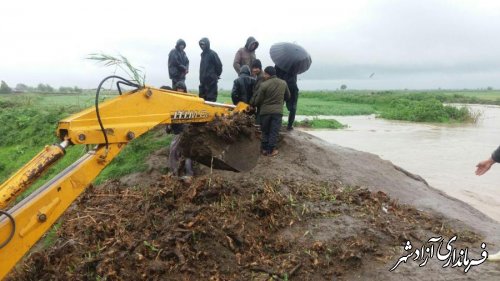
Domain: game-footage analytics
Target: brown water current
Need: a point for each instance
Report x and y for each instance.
(444, 155)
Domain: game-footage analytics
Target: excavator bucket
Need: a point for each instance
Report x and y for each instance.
(227, 143)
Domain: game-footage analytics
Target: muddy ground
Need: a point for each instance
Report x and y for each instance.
(314, 212)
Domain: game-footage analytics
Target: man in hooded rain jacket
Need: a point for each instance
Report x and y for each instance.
(178, 63)
(245, 55)
(210, 71)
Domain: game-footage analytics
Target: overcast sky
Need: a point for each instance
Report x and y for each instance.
(414, 44)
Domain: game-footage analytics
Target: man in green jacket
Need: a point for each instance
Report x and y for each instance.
(269, 98)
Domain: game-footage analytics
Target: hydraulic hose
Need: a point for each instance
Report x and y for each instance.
(9, 216)
(122, 81)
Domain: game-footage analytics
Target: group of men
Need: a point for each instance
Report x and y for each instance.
(210, 68)
(266, 90)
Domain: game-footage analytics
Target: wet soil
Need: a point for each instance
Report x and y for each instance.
(221, 143)
(314, 212)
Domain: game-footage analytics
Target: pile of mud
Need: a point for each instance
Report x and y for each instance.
(226, 143)
(221, 229)
(312, 213)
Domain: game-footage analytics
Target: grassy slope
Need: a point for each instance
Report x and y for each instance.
(28, 124)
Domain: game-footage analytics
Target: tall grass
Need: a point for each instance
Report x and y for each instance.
(417, 107)
(316, 123)
(426, 110)
(135, 74)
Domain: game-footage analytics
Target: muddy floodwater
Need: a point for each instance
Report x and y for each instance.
(444, 155)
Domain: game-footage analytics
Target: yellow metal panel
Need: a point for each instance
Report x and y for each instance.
(27, 174)
(36, 214)
(138, 112)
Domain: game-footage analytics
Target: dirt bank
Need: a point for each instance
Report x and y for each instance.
(315, 212)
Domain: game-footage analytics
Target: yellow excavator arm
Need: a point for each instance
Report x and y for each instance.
(109, 127)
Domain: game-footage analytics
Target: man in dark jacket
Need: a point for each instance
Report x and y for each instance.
(291, 104)
(245, 55)
(243, 86)
(210, 71)
(178, 63)
(484, 166)
(257, 73)
(178, 164)
(269, 98)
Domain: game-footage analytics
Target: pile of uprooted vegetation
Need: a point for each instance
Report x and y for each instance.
(227, 143)
(229, 228)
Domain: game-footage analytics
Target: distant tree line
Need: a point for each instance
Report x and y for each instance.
(4, 88)
(40, 88)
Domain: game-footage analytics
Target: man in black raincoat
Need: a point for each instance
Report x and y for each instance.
(178, 63)
(243, 86)
(178, 164)
(210, 71)
(290, 78)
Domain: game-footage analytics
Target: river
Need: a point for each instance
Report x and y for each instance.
(444, 155)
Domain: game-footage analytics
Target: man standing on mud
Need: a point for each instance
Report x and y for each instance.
(291, 104)
(243, 86)
(245, 55)
(178, 63)
(210, 71)
(269, 98)
(178, 164)
(257, 73)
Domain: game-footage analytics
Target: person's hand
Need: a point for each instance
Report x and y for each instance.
(484, 166)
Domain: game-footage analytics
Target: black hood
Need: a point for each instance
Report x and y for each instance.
(180, 42)
(257, 64)
(207, 43)
(245, 69)
(251, 40)
(180, 85)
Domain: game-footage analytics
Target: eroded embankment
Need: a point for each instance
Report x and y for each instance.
(304, 215)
